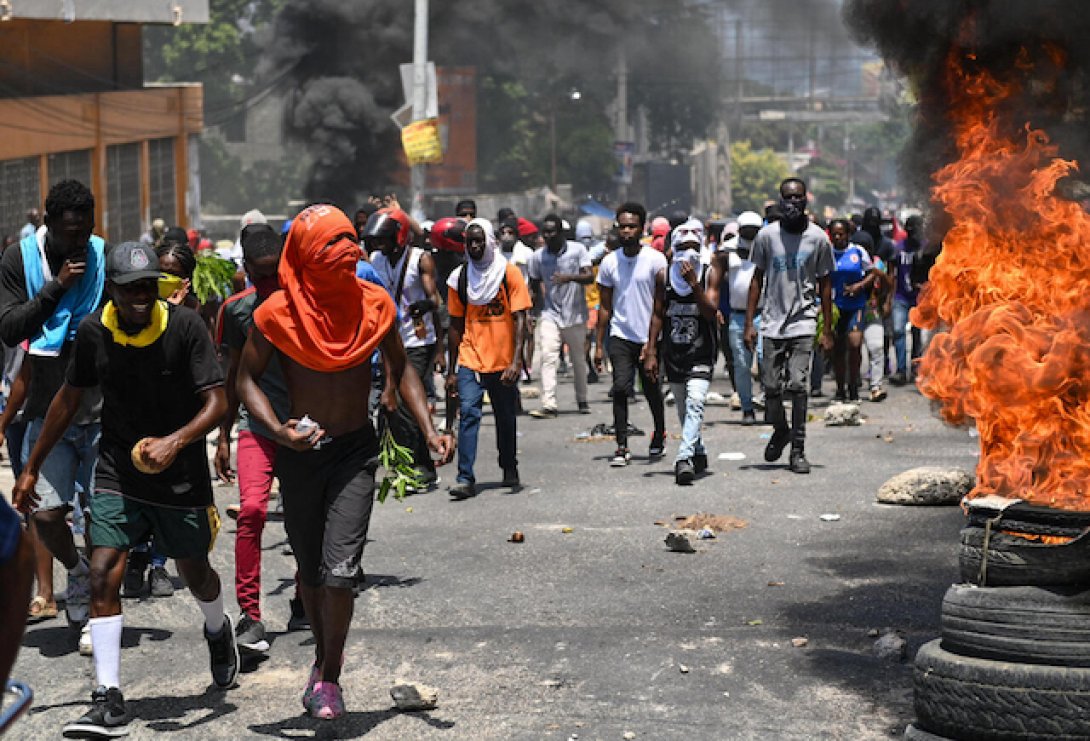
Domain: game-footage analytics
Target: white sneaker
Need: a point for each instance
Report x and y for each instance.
(669, 398)
(85, 647)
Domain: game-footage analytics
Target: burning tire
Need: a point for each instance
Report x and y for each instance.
(1015, 561)
(1021, 624)
(979, 700)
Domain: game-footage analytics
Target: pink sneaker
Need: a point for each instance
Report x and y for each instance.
(308, 693)
(326, 702)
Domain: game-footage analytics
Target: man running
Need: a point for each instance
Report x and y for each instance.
(793, 261)
(162, 390)
(256, 444)
(626, 280)
(323, 327)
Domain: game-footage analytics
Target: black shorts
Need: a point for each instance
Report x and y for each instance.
(328, 495)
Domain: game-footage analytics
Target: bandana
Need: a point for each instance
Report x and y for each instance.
(485, 276)
(160, 314)
(324, 318)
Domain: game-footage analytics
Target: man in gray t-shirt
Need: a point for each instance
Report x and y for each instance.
(794, 262)
(559, 273)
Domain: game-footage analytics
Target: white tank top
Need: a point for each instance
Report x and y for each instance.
(411, 292)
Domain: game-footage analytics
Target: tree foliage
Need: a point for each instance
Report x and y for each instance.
(755, 176)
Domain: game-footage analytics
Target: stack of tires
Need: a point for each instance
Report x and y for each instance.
(1014, 658)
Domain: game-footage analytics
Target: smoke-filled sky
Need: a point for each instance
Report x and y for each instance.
(1015, 39)
(342, 59)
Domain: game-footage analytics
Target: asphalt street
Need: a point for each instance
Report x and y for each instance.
(594, 632)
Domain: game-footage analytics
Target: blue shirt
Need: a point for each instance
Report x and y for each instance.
(852, 265)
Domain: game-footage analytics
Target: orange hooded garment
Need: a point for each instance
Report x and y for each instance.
(324, 318)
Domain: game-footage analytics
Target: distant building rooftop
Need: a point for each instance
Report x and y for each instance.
(117, 11)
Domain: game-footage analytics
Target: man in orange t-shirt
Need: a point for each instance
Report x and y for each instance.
(487, 300)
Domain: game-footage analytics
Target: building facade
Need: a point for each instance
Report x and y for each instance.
(73, 104)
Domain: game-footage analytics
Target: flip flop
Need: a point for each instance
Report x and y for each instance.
(39, 609)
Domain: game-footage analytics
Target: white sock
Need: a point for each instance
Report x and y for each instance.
(106, 639)
(81, 568)
(214, 619)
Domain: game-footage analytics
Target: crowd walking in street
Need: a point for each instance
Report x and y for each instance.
(339, 342)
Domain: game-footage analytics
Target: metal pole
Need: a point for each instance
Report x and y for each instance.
(420, 94)
(622, 113)
(552, 144)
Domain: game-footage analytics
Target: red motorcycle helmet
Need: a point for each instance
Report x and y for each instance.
(388, 222)
(449, 235)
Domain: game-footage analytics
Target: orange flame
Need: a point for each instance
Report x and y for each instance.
(1013, 285)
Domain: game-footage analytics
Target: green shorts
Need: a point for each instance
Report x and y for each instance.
(121, 523)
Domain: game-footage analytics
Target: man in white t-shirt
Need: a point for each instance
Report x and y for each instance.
(626, 281)
(739, 272)
(559, 272)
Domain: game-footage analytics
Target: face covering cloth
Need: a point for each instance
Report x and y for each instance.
(685, 243)
(484, 276)
(324, 318)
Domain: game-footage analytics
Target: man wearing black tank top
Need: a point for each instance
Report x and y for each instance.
(684, 315)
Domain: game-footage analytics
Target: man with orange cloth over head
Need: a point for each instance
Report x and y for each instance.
(325, 324)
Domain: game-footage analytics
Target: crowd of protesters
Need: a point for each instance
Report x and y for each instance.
(337, 329)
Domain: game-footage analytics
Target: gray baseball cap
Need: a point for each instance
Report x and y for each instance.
(132, 261)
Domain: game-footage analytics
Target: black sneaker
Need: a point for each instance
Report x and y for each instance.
(898, 379)
(584, 407)
(592, 376)
(298, 619)
(511, 478)
(250, 635)
(463, 490)
(749, 418)
(841, 395)
(160, 583)
(684, 474)
(620, 458)
(700, 463)
(798, 462)
(223, 652)
(658, 445)
(107, 717)
(779, 440)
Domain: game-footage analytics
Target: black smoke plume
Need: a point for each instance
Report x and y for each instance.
(1039, 46)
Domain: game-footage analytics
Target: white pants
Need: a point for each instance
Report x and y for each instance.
(552, 338)
(874, 338)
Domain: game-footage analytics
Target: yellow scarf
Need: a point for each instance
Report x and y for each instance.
(144, 337)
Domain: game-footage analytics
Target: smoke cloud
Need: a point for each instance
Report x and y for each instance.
(1039, 46)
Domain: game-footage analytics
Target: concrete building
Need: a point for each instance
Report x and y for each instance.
(73, 104)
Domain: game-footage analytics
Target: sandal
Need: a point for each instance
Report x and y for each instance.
(40, 609)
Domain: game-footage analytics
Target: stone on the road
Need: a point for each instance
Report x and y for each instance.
(679, 543)
(927, 485)
(891, 647)
(842, 415)
(413, 696)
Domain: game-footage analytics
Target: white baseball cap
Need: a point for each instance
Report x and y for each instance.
(750, 218)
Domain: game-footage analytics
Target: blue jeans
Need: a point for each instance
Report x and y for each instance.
(900, 319)
(743, 357)
(69, 468)
(471, 389)
(689, 398)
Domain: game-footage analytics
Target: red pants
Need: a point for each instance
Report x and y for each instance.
(256, 456)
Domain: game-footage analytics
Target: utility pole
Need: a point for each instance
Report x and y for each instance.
(420, 95)
(621, 133)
